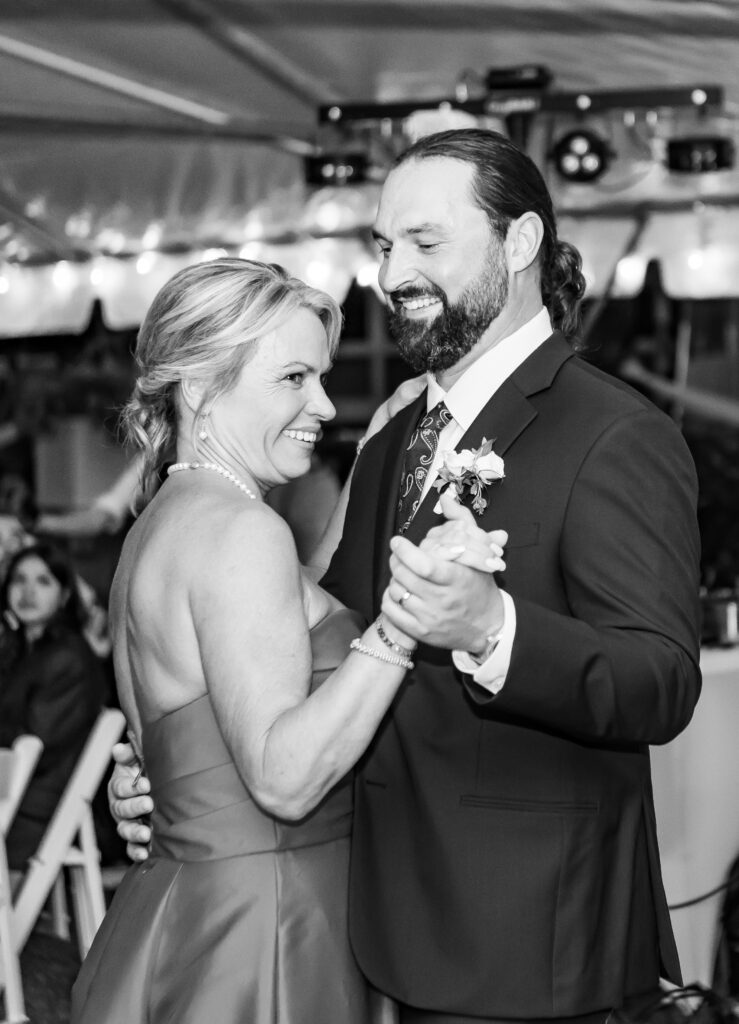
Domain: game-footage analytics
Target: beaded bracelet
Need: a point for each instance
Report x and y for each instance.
(404, 652)
(357, 645)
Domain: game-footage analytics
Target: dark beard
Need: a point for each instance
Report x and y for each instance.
(455, 331)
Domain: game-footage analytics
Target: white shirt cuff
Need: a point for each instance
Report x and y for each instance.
(491, 674)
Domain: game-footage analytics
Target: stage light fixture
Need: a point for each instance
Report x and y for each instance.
(336, 169)
(581, 155)
(700, 154)
(523, 76)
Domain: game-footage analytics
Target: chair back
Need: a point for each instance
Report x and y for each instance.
(71, 817)
(17, 764)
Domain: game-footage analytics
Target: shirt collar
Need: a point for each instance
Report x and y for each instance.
(477, 385)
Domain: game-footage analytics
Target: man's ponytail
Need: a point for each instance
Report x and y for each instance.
(562, 287)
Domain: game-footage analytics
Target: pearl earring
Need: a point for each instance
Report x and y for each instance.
(203, 433)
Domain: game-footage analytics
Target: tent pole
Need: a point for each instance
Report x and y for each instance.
(248, 47)
(113, 83)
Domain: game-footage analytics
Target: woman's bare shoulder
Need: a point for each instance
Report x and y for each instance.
(206, 526)
(239, 557)
(250, 530)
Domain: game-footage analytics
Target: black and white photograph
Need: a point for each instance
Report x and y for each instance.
(369, 512)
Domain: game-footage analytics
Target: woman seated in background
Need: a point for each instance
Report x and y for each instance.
(51, 683)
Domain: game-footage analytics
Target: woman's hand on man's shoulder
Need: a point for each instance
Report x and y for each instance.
(403, 395)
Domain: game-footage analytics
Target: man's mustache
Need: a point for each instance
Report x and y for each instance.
(414, 292)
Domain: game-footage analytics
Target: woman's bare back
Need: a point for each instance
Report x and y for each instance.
(163, 561)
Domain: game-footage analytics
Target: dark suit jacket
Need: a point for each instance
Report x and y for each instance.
(54, 691)
(505, 856)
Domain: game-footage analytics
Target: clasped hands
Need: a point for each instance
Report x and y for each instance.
(443, 592)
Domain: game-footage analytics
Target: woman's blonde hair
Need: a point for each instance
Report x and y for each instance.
(205, 324)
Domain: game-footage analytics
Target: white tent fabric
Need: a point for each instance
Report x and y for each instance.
(140, 135)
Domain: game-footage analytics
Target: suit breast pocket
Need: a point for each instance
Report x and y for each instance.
(523, 535)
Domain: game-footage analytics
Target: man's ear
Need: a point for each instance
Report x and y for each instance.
(524, 240)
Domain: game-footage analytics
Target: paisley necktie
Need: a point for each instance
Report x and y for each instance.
(418, 459)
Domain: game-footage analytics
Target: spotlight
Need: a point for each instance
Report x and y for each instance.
(336, 169)
(699, 154)
(581, 155)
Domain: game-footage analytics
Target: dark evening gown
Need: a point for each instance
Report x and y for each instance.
(237, 917)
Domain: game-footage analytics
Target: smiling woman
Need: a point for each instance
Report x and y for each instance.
(269, 422)
(220, 642)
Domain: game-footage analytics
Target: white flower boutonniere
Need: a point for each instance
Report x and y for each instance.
(470, 472)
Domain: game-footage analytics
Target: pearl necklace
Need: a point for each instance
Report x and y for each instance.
(216, 467)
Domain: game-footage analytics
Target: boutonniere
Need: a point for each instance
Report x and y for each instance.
(470, 472)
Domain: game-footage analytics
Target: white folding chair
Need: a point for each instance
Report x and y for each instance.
(17, 764)
(70, 843)
(16, 768)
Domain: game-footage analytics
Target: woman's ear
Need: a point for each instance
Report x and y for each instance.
(524, 239)
(192, 393)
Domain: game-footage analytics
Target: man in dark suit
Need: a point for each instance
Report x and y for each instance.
(505, 862)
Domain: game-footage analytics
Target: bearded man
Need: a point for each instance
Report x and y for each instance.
(505, 862)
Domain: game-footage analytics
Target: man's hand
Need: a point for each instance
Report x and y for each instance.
(129, 802)
(437, 593)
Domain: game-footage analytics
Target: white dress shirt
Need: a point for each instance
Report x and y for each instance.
(465, 400)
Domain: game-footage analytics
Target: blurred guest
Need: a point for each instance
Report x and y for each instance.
(306, 505)
(108, 513)
(15, 497)
(51, 683)
(15, 536)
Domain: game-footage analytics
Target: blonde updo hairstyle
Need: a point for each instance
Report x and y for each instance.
(205, 324)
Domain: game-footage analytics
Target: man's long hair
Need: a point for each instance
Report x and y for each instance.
(507, 184)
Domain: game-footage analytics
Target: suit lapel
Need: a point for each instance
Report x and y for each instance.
(508, 413)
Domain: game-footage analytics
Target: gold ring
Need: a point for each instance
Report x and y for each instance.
(404, 597)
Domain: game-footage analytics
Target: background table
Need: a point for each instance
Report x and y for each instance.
(696, 794)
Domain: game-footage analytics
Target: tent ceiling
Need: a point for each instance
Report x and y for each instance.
(357, 49)
(187, 118)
